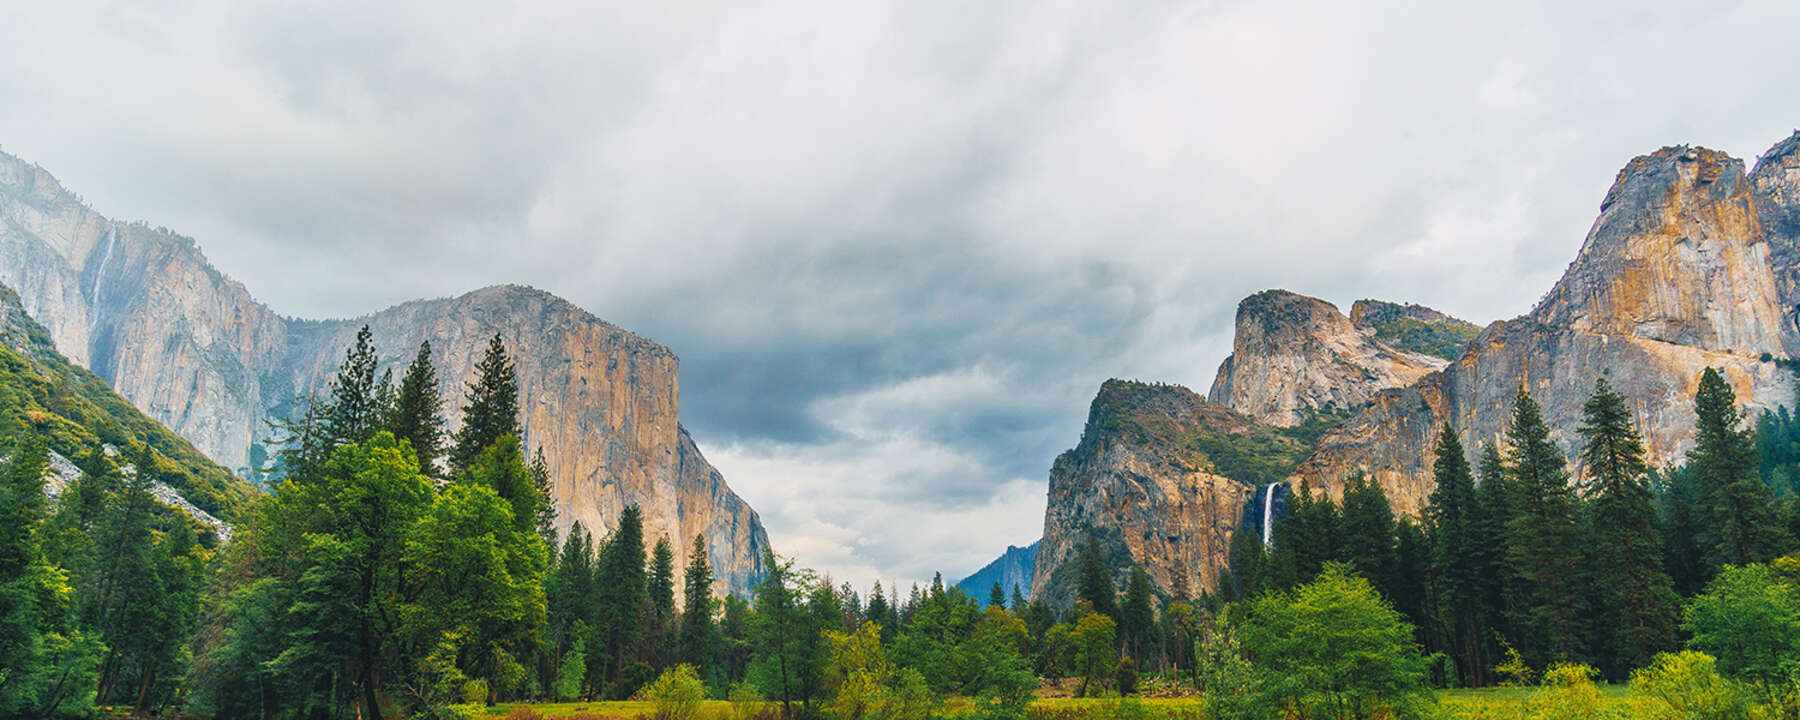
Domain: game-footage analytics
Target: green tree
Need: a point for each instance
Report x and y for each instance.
(1741, 525)
(570, 611)
(697, 632)
(1096, 645)
(1366, 534)
(491, 410)
(34, 594)
(1458, 567)
(660, 620)
(1750, 620)
(781, 636)
(1542, 539)
(418, 412)
(1097, 580)
(1137, 619)
(1334, 649)
(1635, 600)
(1306, 538)
(622, 589)
(355, 411)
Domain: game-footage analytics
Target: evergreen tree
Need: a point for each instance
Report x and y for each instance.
(355, 411)
(697, 609)
(1096, 580)
(660, 620)
(1741, 525)
(418, 409)
(491, 411)
(1366, 541)
(546, 510)
(621, 586)
(1542, 540)
(1499, 588)
(571, 611)
(1137, 619)
(1306, 538)
(996, 596)
(1636, 603)
(881, 613)
(782, 636)
(1458, 567)
(33, 593)
(501, 467)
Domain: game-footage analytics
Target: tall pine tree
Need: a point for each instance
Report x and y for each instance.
(1542, 538)
(1458, 567)
(1096, 580)
(1635, 601)
(1741, 525)
(418, 412)
(355, 412)
(697, 608)
(491, 410)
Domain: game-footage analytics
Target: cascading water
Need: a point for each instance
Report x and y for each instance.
(1268, 524)
(112, 238)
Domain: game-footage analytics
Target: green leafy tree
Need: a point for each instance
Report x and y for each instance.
(1750, 620)
(491, 408)
(782, 636)
(34, 594)
(1635, 601)
(418, 412)
(1332, 648)
(1096, 646)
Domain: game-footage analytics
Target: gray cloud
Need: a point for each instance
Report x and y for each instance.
(897, 245)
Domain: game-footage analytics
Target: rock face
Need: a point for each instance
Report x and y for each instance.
(1413, 328)
(1011, 570)
(1689, 266)
(143, 309)
(1143, 485)
(1293, 354)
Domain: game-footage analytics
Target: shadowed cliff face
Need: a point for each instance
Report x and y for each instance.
(1292, 354)
(1683, 270)
(142, 308)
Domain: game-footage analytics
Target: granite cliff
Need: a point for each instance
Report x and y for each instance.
(1293, 354)
(142, 308)
(1692, 263)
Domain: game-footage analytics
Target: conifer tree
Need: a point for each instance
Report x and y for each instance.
(1366, 541)
(1096, 580)
(1741, 525)
(546, 510)
(491, 410)
(661, 616)
(622, 592)
(881, 612)
(1137, 619)
(996, 596)
(571, 609)
(697, 608)
(1458, 568)
(355, 411)
(1542, 542)
(1499, 589)
(418, 412)
(1636, 603)
(1307, 537)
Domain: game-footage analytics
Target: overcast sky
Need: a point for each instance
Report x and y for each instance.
(897, 245)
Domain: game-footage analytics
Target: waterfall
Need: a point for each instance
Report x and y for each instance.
(112, 238)
(1268, 525)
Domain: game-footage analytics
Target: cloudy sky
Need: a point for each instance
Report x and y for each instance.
(897, 245)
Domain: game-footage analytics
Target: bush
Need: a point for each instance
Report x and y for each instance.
(1334, 645)
(1686, 686)
(1749, 620)
(676, 694)
(747, 702)
(1125, 676)
(1568, 693)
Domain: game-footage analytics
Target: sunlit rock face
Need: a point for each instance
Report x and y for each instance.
(142, 308)
(1690, 265)
(1292, 354)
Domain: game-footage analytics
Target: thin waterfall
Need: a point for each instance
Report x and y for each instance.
(112, 238)
(1268, 524)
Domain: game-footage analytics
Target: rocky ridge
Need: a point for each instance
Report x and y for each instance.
(142, 308)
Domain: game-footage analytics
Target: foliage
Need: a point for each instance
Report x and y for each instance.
(676, 694)
(1686, 686)
(1333, 647)
(1750, 620)
(1096, 651)
(1568, 693)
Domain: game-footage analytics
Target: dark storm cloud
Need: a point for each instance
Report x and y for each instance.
(897, 245)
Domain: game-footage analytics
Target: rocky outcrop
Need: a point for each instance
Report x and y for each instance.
(142, 308)
(1144, 481)
(1294, 354)
(1011, 570)
(1413, 328)
(1683, 270)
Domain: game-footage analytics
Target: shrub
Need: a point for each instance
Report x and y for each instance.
(1125, 676)
(676, 694)
(747, 702)
(1568, 693)
(1334, 645)
(1750, 621)
(1686, 686)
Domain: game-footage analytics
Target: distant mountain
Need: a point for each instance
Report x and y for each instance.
(142, 309)
(1012, 569)
(1693, 263)
(81, 417)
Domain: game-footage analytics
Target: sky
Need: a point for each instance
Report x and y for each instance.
(896, 245)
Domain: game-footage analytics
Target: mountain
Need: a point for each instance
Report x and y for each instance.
(1692, 263)
(1293, 354)
(142, 309)
(81, 417)
(1012, 569)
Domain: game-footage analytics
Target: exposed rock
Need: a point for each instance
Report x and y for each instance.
(1675, 276)
(143, 309)
(1293, 354)
(1142, 484)
(1413, 328)
(1011, 570)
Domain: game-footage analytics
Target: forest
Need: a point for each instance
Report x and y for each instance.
(398, 570)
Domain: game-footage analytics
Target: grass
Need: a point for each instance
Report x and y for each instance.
(1478, 704)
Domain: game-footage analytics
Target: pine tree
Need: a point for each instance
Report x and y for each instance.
(546, 510)
(1499, 589)
(621, 585)
(1096, 580)
(1367, 534)
(571, 609)
(1741, 524)
(355, 411)
(1137, 619)
(1306, 538)
(1542, 539)
(661, 616)
(418, 410)
(1636, 602)
(881, 613)
(996, 596)
(697, 608)
(1458, 567)
(492, 408)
